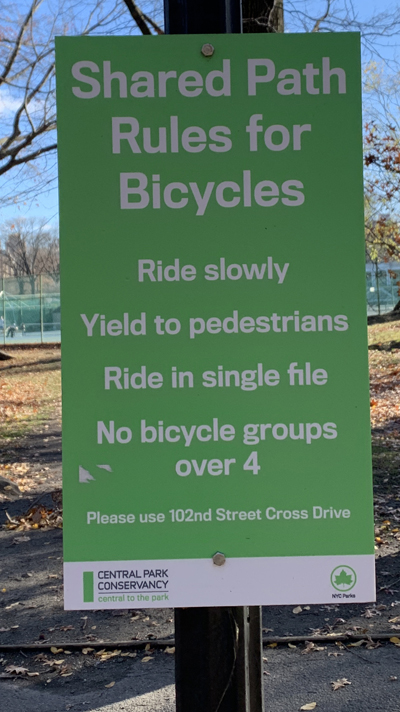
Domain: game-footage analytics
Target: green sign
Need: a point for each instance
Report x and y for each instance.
(215, 381)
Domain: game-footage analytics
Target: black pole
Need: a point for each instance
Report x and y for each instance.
(218, 659)
(218, 665)
(194, 17)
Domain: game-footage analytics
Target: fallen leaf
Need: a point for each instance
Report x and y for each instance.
(110, 684)
(309, 706)
(4, 630)
(298, 609)
(107, 654)
(16, 670)
(372, 644)
(342, 682)
(55, 651)
(33, 674)
(290, 645)
(41, 658)
(357, 644)
(85, 651)
(272, 645)
(395, 640)
(146, 659)
(312, 647)
(171, 650)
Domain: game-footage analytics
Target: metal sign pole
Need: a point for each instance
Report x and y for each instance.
(218, 650)
(218, 664)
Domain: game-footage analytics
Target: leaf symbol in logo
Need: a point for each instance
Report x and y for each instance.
(343, 579)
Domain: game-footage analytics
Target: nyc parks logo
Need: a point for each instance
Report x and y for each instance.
(343, 578)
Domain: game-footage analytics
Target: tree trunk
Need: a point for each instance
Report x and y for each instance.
(262, 15)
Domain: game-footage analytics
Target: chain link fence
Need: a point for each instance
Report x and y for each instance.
(383, 283)
(30, 309)
(30, 306)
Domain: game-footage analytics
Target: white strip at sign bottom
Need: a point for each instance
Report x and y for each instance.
(254, 581)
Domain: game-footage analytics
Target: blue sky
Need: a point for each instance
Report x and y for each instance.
(46, 205)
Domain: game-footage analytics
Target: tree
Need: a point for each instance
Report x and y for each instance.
(321, 16)
(382, 191)
(27, 83)
(262, 16)
(30, 249)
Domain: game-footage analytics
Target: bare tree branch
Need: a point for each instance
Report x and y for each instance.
(154, 25)
(28, 158)
(27, 82)
(317, 24)
(138, 17)
(18, 42)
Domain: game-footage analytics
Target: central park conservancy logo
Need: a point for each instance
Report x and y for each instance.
(343, 578)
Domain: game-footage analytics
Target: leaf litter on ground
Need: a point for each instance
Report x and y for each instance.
(338, 684)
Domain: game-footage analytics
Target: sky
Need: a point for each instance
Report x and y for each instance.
(46, 205)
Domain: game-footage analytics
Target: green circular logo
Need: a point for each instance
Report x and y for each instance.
(343, 578)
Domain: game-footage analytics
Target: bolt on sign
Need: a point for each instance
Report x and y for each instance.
(216, 442)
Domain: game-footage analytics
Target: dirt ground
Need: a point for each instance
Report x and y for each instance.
(31, 595)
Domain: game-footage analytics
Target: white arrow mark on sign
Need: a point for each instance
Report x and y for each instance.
(105, 467)
(84, 475)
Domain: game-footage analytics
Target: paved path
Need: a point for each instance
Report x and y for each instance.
(294, 679)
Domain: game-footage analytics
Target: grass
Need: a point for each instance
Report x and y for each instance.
(30, 390)
(383, 333)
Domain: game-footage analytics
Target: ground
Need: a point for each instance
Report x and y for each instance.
(31, 605)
